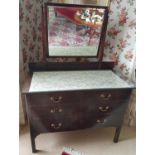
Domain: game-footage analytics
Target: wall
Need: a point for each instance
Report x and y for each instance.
(120, 41)
(120, 46)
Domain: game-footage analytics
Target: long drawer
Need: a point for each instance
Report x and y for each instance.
(77, 108)
(98, 96)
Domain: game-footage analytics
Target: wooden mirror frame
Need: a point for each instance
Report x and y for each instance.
(100, 51)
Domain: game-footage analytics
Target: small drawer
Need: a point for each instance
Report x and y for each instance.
(111, 95)
(111, 106)
(54, 124)
(48, 99)
(106, 96)
(90, 121)
(48, 111)
(107, 110)
(51, 111)
(103, 108)
(113, 119)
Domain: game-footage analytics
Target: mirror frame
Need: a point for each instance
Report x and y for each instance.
(100, 51)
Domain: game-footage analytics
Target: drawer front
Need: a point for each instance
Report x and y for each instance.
(55, 124)
(106, 95)
(56, 110)
(49, 99)
(104, 109)
(102, 121)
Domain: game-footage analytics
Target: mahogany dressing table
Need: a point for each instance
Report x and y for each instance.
(67, 96)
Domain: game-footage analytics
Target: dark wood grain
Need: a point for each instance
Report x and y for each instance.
(102, 38)
(80, 110)
(117, 133)
(55, 66)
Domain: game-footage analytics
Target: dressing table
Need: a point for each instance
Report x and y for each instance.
(67, 96)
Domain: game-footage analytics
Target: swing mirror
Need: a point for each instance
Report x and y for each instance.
(74, 30)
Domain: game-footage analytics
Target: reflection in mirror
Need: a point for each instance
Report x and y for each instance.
(74, 31)
(84, 2)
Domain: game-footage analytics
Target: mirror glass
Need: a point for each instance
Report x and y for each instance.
(74, 31)
(84, 2)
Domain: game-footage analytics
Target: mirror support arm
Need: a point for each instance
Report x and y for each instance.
(103, 36)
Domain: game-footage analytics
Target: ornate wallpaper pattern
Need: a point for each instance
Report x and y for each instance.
(119, 46)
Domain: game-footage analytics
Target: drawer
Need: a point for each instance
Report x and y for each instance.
(103, 108)
(55, 124)
(90, 121)
(48, 99)
(106, 96)
(54, 110)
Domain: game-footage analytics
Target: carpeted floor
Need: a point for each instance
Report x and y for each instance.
(90, 141)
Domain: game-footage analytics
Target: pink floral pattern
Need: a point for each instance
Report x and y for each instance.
(120, 37)
(65, 33)
(113, 32)
(123, 17)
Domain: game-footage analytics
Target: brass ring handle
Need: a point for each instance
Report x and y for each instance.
(56, 127)
(101, 122)
(56, 99)
(55, 110)
(103, 109)
(105, 97)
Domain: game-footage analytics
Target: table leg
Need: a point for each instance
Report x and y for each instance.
(33, 144)
(117, 133)
(33, 136)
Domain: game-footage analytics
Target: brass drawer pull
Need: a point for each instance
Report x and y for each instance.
(56, 110)
(56, 126)
(101, 121)
(56, 99)
(105, 97)
(103, 109)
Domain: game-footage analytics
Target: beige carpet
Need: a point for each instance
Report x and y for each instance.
(90, 141)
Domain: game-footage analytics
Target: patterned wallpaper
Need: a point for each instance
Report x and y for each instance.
(120, 40)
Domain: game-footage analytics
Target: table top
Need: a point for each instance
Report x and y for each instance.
(52, 81)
